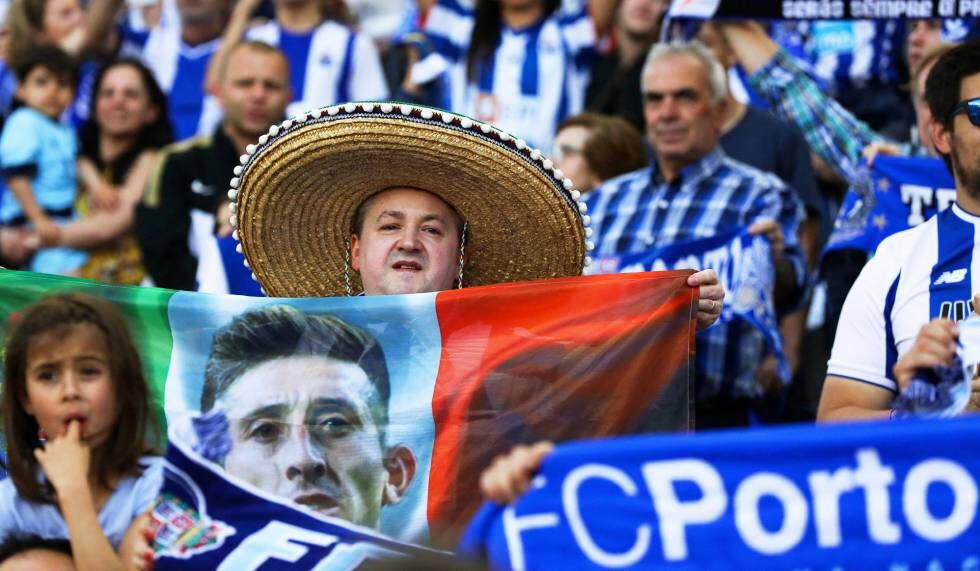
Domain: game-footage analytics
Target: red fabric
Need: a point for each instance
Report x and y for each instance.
(558, 360)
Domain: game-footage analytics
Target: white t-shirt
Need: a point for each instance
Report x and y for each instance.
(132, 497)
(915, 276)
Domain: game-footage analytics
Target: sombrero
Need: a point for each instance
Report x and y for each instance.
(297, 189)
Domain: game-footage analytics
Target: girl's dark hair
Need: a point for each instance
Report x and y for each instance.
(487, 23)
(153, 136)
(136, 425)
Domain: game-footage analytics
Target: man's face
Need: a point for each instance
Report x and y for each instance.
(409, 243)
(682, 123)
(923, 36)
(962, 143)
(302, 428)
(641, 18)
(254, 91)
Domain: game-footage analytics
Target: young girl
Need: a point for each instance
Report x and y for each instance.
(78, 423)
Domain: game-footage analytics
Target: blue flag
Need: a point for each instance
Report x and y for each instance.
(891, 495)
(744, 266)
(204, 520)
(898, 193)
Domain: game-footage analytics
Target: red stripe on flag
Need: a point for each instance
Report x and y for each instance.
(557, 359)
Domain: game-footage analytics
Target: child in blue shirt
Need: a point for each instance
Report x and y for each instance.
(37, 156)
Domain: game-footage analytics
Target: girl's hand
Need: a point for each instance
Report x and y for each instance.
(143, 557)
(65, 460)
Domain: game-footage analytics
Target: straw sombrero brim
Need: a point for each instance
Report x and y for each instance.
(299, 188)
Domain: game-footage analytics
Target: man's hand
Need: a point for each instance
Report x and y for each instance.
(774, 232)
(880, 148)
(935, 345)
(510, 476)
(710, 297)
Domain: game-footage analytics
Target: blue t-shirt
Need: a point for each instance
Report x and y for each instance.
(132, 497)
(34, 145)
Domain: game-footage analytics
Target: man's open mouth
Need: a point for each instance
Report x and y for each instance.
(407, 266)
(316, 501)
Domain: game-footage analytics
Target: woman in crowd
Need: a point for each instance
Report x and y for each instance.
(118, 150)
(591, 148)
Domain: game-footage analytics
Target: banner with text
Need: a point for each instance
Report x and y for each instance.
(899, 193)
(824, 9)
(894, 495)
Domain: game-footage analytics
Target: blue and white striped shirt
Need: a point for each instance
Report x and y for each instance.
(640, 211)
(536, 78)
(180, 70)
(330, 64)
(915, 276)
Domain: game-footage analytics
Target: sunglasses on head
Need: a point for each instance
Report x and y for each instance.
(972, 109)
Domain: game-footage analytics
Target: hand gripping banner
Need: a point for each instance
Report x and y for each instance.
(382, 411)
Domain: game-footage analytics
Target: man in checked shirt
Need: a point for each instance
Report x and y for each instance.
(692, 191)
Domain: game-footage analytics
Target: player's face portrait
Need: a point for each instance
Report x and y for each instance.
(304, 428)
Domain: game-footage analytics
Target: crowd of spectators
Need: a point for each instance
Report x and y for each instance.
(123, 122)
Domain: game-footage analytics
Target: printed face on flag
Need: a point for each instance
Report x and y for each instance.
(307, 428)
(322, 400)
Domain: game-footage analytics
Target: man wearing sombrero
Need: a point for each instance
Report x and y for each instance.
(392, 198)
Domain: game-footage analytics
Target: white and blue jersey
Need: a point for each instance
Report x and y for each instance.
(536, 78)
(174, 63)
(915, 276)
(330, 64)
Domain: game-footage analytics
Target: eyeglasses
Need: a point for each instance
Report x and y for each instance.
(559, 152)
(972, 109)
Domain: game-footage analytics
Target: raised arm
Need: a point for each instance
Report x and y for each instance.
(833, 133)
(101, 15)
(603, 13)
(237, 26)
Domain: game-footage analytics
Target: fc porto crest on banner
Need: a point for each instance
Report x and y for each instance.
(205, 520)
